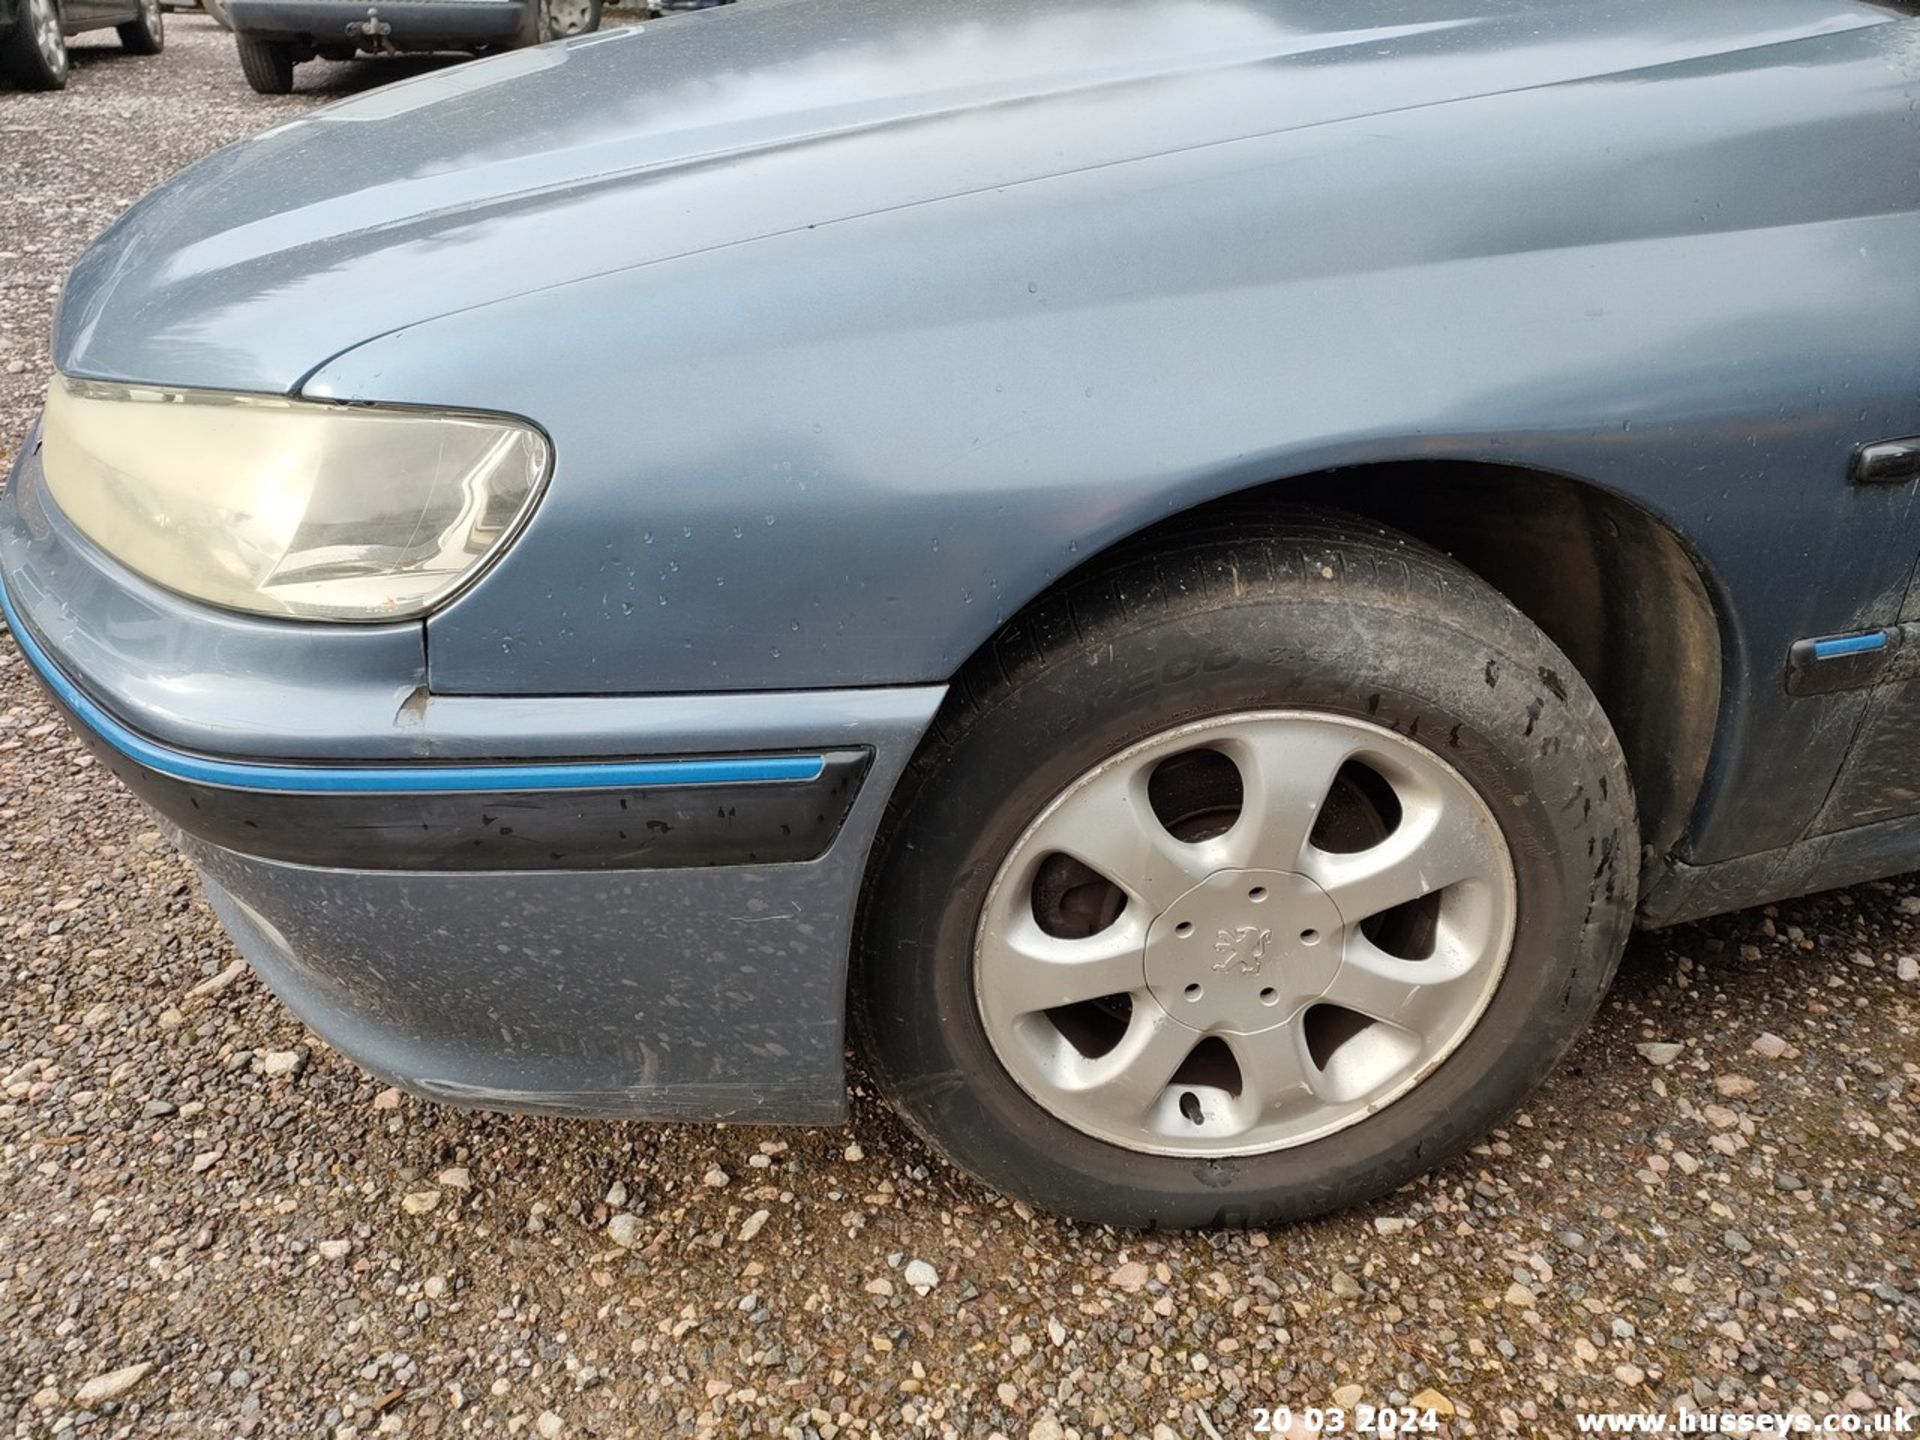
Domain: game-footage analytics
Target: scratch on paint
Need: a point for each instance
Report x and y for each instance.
(792, 912)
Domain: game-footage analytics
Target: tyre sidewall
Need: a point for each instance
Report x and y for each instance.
(27, 66)
(146, 33)
(1501, 713)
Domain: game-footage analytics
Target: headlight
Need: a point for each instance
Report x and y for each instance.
(289, 507)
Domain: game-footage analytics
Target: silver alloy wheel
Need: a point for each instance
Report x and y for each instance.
(150, 15)
(45, 19)
(567, 17)
(1244, 934)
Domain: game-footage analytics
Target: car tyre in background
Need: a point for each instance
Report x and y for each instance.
(34, 54)
(1246, 879)
(146, 33)
(267, 64)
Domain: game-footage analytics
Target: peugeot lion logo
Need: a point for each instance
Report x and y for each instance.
(1233, 947)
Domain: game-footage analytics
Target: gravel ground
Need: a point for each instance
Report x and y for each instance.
(193, 1187)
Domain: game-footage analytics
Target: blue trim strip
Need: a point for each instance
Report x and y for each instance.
(402, 779)
(1849, 645)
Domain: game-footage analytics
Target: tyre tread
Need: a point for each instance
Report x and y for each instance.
(1370, 563)
(267, 64)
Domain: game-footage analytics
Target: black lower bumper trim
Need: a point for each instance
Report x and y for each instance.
(656, 827)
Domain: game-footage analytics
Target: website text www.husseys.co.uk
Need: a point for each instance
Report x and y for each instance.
(1729, 1422)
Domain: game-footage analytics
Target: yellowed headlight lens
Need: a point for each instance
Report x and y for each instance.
(289, 507)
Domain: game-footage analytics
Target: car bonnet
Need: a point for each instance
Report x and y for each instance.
(471, 184)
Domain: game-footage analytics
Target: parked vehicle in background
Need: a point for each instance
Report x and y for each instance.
(276, 35)
(33, 34)
(1207, 560)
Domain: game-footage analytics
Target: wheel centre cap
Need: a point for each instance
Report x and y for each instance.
(1244, 950)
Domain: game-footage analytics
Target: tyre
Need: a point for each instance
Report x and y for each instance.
(267, 64)
(146, 33)
(1244, 881)
(34, 54)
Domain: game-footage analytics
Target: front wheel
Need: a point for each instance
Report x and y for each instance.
(267, 64)
(1245, 881)
(34, 54)
(146, 33)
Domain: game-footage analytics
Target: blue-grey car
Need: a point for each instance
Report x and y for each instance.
(1183, 571)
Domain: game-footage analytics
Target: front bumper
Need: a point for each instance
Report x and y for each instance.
(405, 23)
(635, 906)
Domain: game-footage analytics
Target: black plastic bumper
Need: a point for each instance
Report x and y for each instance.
(401, 22)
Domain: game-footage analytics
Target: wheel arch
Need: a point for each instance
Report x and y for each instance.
(1614, 586)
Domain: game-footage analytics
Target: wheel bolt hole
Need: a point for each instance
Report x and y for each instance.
(1257, 894)
(1183, 929)
(1309, 937)
(1192, 992)
(1269, 996)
